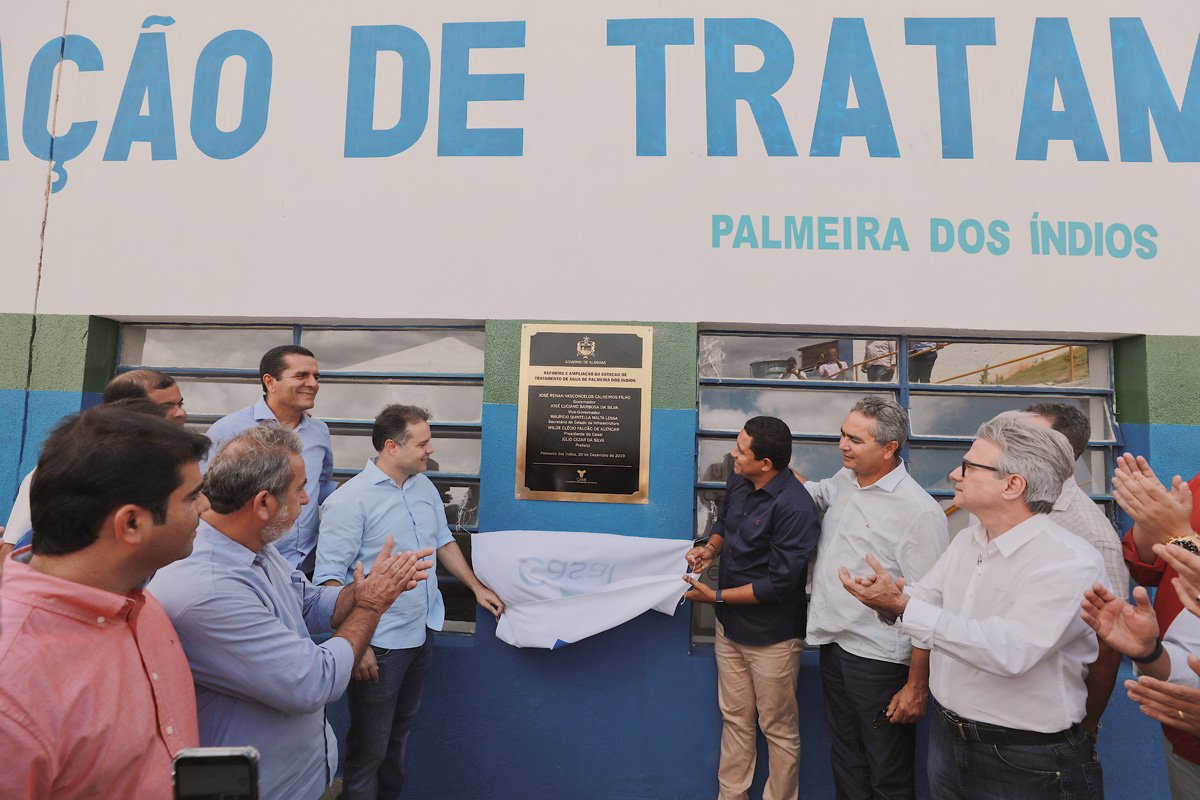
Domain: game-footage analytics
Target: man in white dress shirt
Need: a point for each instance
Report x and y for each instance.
(999, 612)
(875, 684)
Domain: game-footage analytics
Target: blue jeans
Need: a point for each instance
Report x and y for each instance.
(381, 715)
(963, 770)
(871, 760)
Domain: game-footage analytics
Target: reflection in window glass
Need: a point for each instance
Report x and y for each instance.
(351, 451)
(1005, 364)
(931, 466)
(218, 397)
(198, 347)
(727, 408)
(797, 358)
(364, 401)
(462, 503)
(812, 459)
(962, 414)
(343, 350)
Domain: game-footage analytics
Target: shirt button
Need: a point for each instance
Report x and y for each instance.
(99, 620)
(153, 676)
(170, 730)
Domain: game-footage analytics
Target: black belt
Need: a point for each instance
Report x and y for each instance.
(986, 733)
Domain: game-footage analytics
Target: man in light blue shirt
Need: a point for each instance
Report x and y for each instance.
(391, 498)
(290, 382)
(244, 617)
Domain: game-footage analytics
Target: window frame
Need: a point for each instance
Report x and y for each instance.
(456, 430)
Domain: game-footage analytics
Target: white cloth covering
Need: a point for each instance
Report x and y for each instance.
(559, 587)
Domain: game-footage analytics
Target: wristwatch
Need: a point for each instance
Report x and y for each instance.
(1190, 543)
(718, 598)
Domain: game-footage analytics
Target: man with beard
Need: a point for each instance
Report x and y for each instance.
(245, 616)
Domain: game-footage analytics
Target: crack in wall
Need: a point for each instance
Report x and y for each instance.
(37, 286)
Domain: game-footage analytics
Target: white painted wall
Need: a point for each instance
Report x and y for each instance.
(579, 226)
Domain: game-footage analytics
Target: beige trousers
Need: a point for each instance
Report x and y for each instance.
(758, 684)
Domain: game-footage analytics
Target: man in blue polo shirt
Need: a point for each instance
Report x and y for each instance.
(765, 532)
(391, 496)
(290, 382)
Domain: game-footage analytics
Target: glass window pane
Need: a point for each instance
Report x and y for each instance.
(459, 351)
(812, 459)
(962, 414)
(798, 358)
(931, 466)
(1005, 364)
(199, 347)
(364, 401)
(725, 408)
(218, 397)
(351, 450)
(462, 503)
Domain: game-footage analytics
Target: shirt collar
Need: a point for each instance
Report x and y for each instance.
(887, 483)
(263, 412)
(68, 598)
(1064, 497)
(220, 543)
(1015, 537)
(774, 486)
(378, 476)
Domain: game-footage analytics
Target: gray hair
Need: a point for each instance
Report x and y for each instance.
(257, 459)
(891, 420)
(1042, 456)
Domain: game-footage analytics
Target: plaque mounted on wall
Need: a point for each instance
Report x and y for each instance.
(583, 424)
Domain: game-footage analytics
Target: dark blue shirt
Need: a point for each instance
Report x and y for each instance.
(769, 534)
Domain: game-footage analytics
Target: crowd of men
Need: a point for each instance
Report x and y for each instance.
(1012, 632)
(224, 594)
(171, 566)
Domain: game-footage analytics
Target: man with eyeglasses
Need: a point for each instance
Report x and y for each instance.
(999, 612)
(875, 683)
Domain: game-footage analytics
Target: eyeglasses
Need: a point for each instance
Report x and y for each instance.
(966, 464)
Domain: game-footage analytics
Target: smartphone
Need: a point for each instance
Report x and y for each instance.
(216, 773)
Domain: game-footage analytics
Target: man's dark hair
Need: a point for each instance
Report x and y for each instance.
(770, 437)
(392, 423)
(274, 361)
(1067, 420)
(137, 383)
(99, 460)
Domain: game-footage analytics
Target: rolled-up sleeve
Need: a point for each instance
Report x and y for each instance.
(342, 521)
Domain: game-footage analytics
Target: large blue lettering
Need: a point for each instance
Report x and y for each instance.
(149, 79)
(256, 94)
(849, 59)
(724, 86)
(1142, 92)
(649, 38)
(363, 140)
(459, 88)
(1053, 60)
(39, 141)
(950, 39)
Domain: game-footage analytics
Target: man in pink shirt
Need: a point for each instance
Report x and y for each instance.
(96, 696)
